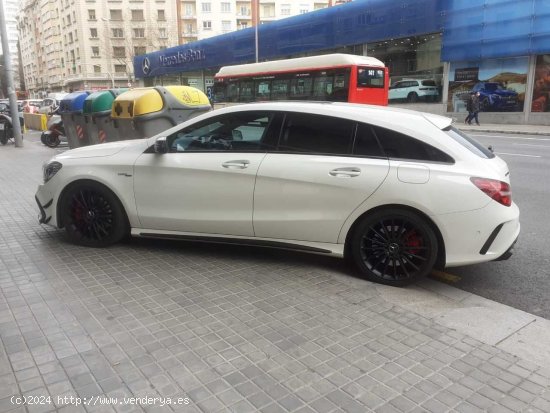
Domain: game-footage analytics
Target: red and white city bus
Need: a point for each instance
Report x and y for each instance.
(331, 77)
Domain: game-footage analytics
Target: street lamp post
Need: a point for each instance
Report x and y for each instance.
(257, 18)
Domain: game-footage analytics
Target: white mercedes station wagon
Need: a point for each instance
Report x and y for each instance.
(398, 192)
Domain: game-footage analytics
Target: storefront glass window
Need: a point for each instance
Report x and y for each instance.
(541, 86)
(500, 82)
(416, 71)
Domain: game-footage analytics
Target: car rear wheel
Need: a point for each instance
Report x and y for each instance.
(412, 97)
(394, 247)
(93, 216)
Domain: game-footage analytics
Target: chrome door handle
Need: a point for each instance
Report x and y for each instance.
(240, 164)
(345, 172)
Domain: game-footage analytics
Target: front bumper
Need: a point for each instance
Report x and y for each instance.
(44, 200)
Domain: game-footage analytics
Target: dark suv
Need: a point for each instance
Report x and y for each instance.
(495, 98)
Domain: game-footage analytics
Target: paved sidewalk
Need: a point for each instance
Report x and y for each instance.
(504, 128)
(237, 329)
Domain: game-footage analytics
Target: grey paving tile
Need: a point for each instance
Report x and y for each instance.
(234, 332)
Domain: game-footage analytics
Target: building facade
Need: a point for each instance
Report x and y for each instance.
(11, 9)
(73, 45)
(500, 48)
(199, 19)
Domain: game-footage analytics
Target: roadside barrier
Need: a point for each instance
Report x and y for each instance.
(36, 121)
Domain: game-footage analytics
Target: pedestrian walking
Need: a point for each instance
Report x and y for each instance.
(476, 106)
(470, 109)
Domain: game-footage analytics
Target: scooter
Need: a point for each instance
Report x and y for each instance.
(55, 133)
(6, 127)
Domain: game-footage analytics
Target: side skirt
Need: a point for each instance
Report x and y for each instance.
(305, 246)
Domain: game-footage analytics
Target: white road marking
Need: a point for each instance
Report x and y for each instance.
(518, 154)
(511, 137)
(530, 144)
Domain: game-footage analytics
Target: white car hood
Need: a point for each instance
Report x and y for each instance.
(99, 150)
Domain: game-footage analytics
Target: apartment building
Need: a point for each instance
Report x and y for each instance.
(90, 44)
(74, 44)
(11, 8)
(200, 19)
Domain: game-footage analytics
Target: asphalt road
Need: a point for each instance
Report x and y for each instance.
(523, 281)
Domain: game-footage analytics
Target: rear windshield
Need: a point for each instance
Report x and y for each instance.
(428, 83)
(469, 143)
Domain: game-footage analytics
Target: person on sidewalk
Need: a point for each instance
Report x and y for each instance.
(469, 108)
(476, 107)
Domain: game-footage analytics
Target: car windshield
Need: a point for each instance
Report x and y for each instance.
(492, 87)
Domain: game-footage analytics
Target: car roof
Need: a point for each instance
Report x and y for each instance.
(384, 116)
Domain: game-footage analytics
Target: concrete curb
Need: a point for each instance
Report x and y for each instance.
(507, 131)
(525, 335)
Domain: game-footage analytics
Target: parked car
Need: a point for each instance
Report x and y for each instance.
(31, 105)
(495, 98)
(378, 185)
(51, 103)
(413, 90)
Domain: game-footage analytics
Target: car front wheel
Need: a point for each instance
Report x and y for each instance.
(394, 247)
(93, 216)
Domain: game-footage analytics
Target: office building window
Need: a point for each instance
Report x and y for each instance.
(117, 33)
(119, 51)
(116, 14)
(137, 15)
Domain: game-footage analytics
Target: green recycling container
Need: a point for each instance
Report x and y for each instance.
(97, 116)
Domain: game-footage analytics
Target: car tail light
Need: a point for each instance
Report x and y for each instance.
(497, 190)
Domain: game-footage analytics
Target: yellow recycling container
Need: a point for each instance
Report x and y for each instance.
(144, 112)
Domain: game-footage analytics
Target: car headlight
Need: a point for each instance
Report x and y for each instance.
(50, 169)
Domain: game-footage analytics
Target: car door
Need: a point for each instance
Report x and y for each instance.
(205, 183)
(313, 182)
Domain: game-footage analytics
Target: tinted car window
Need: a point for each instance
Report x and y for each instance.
(469, 143)
(400, 146)
(242, 131)
(428, 83)
(366, 143)
(316, 134)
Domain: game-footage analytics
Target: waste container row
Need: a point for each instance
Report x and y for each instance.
(119, 114)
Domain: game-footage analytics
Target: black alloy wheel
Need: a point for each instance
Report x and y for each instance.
(93, 216)
(394, 247)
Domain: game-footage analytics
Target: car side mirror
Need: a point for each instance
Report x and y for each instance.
(161, 146)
